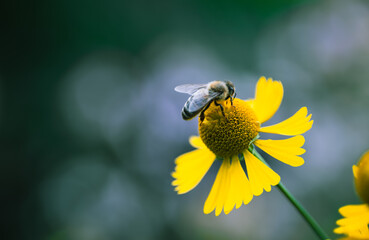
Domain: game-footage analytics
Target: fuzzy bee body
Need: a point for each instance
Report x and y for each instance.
(202, 95)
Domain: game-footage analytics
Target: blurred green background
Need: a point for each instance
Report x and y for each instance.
(90, 123)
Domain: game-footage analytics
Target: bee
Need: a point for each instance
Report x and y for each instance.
(202, 95)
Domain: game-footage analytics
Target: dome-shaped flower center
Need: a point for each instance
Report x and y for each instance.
(230, 135)
(362, 178)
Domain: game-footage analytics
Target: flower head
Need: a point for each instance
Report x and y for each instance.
(230, 135)
(220, 133)
(356, 217)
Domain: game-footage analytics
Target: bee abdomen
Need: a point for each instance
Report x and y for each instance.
(186, 115)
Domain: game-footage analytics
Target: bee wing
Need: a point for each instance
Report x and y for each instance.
(199, 100)
(189, 88)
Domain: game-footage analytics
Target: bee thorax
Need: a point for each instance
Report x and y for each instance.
(220, 88)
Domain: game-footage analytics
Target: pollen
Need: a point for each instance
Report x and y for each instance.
(231, 134)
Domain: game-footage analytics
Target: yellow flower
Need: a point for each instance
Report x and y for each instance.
(356, 217)
(351, 238)
(231, 138)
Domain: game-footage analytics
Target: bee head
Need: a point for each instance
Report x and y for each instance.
(231, 88)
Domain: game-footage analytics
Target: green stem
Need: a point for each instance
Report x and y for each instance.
(305, 214)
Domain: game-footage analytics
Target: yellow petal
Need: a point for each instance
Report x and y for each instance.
(352, 210)
(268, 98)
(239, 189)
(251, 102)
(231, 188)
(355, 170)
(196, 142)
(362, 233)
(219, 191)
(355, 222)
(355, 238)
(360, 237)
(285, 150)
(353, 228)
(299, 123)
(261, 177)
(190, 168)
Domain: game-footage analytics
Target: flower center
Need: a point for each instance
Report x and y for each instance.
(230, 135)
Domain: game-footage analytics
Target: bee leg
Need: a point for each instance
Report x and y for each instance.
(221, 108)
(202, 114)
(234, 96)
(231, 99)
(202, 117)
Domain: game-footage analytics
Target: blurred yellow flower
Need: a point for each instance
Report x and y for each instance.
(351, 238)
(356, 217)
(233, 136)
